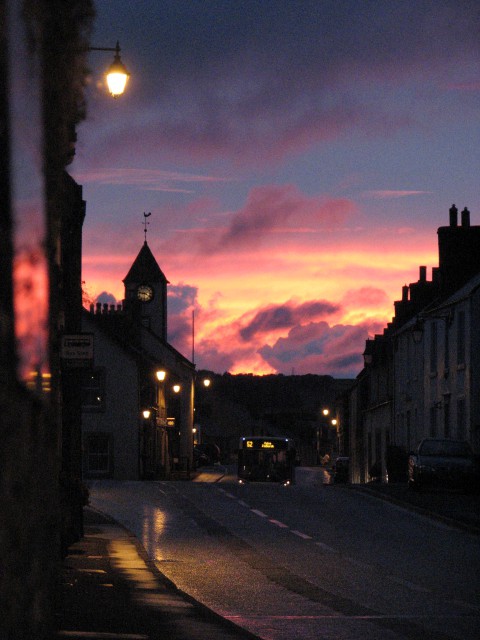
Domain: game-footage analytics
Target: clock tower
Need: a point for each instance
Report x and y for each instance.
(146, 292)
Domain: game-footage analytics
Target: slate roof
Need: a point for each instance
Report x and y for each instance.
(145, 268)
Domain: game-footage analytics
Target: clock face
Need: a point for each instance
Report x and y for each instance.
(144, 293)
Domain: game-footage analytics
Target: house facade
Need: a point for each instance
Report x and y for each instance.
(421, 376)
(137, 397)
(436, 371)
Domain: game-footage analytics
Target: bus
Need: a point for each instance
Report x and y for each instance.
(266, 459)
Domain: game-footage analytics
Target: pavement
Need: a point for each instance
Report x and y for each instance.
(109, 589)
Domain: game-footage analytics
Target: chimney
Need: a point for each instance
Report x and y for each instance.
(423, 274)
(98, 307)
(405, 293)
(465, 218)
(453, 216)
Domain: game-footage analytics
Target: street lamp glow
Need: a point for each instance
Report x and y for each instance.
(160, 375)
(326, 412)
(176, 388)
(146, 413)
(206, 382)
(117, 75)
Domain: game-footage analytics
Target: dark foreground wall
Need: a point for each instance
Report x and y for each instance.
(36, 501)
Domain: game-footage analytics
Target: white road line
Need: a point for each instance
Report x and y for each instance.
(244, 504)
(301, 535)
(279, 524)
(409, 585)
(102, 635)
(259, 513)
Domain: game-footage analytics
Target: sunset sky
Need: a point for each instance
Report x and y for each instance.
(297, 158)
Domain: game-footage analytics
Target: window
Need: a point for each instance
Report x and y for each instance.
(433, 347)
(433, 422)
(461, 419)
(447, 347)
(446, 419)
(461, 337)
(93, 390)
(98, 454)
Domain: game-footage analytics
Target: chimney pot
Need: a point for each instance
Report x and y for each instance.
(99, 307)
(453, 216)
(405, 293)
(423, 274)
(465, 218)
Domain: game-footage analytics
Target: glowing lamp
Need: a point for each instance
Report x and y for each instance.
(117, 75)
(160, 375)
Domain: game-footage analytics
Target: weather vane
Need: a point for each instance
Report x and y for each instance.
(145, 223)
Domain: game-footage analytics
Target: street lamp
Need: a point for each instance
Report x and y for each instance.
(160, 375)
(176, 388)
(117, 74)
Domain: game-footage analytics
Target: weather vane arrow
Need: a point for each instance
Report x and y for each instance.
(145, 223)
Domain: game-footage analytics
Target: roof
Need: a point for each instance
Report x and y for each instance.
(119, 328)
(145, 268)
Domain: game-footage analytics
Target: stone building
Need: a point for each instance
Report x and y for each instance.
(421, 375)
(134, 424)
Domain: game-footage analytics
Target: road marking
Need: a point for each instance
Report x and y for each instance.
(99, 635)
(244, 504)
(301, 535)
(92, 571)
(410, 585)
(279, 524)
(259, 513)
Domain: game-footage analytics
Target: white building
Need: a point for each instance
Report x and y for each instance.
(134, 425)
(437, 376)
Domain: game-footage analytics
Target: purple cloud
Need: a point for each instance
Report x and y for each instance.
(318, 348)
(286, 316)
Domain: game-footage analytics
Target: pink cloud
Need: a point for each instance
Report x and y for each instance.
(385, 194)
(269, 208)
(365, 297)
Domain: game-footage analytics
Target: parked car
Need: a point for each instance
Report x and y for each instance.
(441, 462)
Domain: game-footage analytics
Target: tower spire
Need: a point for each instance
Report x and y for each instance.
(145, 223)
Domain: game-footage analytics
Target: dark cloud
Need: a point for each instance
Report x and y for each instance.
(286, 316)
(251, 81)
(181, 297)
(319, 348)
(274, 207)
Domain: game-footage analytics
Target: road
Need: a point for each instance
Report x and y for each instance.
(305, 561)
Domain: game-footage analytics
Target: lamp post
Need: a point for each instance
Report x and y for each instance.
(117, 74)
